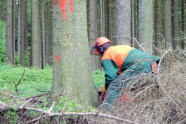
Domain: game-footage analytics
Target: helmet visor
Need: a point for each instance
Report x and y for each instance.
(94, 51)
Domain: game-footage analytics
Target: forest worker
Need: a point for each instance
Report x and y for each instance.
(120, 63)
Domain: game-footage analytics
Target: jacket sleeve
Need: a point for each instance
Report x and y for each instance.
(111, 71)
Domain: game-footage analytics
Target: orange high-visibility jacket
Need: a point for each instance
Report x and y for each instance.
(117, 59)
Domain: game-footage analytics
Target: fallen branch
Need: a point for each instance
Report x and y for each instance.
(141, 92)
(63, 114)
(40, 95)
(2, 104)
(51, 108)
(25, 103)
(159, 83)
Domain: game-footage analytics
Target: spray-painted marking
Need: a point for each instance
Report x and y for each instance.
(62, 5)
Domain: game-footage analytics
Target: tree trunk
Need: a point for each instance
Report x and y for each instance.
(36, 41)
(42, 33)
(102, 18)
(18, 28)
(168, 24)
(136, 26)
(112, 21)
(48, 33)
(0, 17)
(176, 39)
(13, 29)
(108, 19)
(0, 10)
(50, 43)
(47, 16)
(123, 22)
(71, 68)
(93, 32)
(146, 24)
(9, 32)
(22, 30)
(183, 25)
(26, 27)
(132, 22)
(158, 27)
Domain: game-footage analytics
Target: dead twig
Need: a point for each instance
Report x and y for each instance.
(16, 84)
(159, 83)
(34, 120)
(51, 108)
(44, 94)
(25, 103)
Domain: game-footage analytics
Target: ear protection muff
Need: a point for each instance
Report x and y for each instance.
(99, 48)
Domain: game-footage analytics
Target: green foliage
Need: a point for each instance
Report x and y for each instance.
(99, 78)
(27, 57)
(2, 42)
(32, 82)
(71, 105)
(12, 117)
(17, 59)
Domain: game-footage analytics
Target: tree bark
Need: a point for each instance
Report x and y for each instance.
(123, 22)
(71, 67)
(146, 24)
(0, 17)
(132, 22)
(13, 29)
(93, 32)
(36, 41)
(158, 27)
(112, 21)
(22, 30)
(18, 28)
(176, 39)
(102, 18)
(42, 33)
(108, 18)
(26, 27)
(10, 32)
(0, 10)
(168, 24)
(50, 43)
(47, 15)
(136, 19)
(183, 25)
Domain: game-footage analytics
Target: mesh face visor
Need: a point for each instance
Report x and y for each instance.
(92, 51)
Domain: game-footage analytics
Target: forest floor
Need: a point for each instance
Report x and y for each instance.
(160, 98)
(21, 84)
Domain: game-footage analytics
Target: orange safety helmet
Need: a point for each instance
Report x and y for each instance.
(100, 42)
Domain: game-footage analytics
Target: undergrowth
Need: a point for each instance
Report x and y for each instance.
(33, 82)
(2, 42)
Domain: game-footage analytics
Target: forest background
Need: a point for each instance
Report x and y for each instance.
(45, 46)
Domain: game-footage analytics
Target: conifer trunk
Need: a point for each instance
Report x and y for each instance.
(158, 27)
(123, 22)
(168, 24)
(36, 41)
(10, 45)
(176, 39)
(93, 32)
(146, 24)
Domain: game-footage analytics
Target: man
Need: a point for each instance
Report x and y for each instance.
(121, 63)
